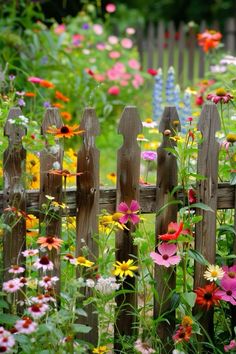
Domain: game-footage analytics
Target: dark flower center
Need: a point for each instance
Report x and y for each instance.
(50, 240)
(35, 308)
(64, 129)
(207, 296)
(44, 260)
(232, 274)
(3, 349)
(229, 292)
(165, 256)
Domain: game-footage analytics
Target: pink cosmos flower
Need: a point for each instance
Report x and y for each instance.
(134, 64)
(114, 91)
(110, 8)
(228, 291)
(11, 286)
(26, 326)
(98, 29)
(129, 212)
(34, 79)
(230, 273)
(149, 155)
(231, 345)
(130, 30)
(127, 43)
(43, 263)
(114, 55)
(166, 255)
(37, 310)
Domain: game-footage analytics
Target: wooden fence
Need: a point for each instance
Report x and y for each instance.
(88, 198)
(165, 45)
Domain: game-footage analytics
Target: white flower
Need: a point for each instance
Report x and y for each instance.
(213, 273)
(54, 149)
(107, 285)
(56, 165)
(90, 283)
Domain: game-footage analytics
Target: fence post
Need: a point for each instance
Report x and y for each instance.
(87, 200)
(167, 179)
(14, 159)
(51, 184)
(128, 173)
(207, 166)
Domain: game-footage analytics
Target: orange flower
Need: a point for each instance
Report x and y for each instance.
(30, 94)
(64, 173)
(47, 84)
(61, 97)
(207, 297)
(66, 116)
(58, 105)
(50, 242)
(209, 39)
(65, 131)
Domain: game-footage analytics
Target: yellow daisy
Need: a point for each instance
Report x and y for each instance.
(82, 261)
(124, 268)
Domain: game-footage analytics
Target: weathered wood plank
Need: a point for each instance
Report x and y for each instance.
(128, 174)
(207, 165)
(87, 199)
(181, 50)
(160, 44)
(150, 45)
(165, 279)
(191, 43)
(171, 43)
(51, 184)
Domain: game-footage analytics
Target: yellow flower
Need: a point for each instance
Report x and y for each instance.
(191, 91)
(186, 321)
(112, 177)
(100, 350)
(213, 273)
(107, 223)
(231, 137)
(82, 261)
(124, 268)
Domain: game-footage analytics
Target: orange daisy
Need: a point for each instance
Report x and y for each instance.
(58, 105)
(66, 115)
(30, 94)
(61, 97)
(65, 131)
(46, 83)
(64, 173)
(50, 242)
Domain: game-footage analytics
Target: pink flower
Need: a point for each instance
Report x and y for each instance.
(98, 29)
(152, 72)
(76, 39)
(127, 43)
(11, 286)
(43, 263)
(99, 77)
(113, 40)
(231, 345)
(30, 253)
(228, 291)
(26, 326)
(119, 67)
(60, 29)
(48, 281)
(7, 341)
(137, 81)
(230, 273)
(101, 46)
(134, 64)
(220, 96)
(129, 212)
(16, 269)
(34, 79)
(149, 155)
(124, 83)
(114, 91)
(114, 55)
(173, 232)
(37, 310)
(130, 30)
(110, 8)
(166, 255)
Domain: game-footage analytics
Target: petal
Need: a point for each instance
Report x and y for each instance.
(157, 258)
(123, 207)
(174, 260)
(134, 205)
(167, 248)
(134, 218)
(124, 219)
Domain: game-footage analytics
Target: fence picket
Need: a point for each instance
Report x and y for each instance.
(171, 43)
(150, 45)
(181, 50)
(165, 281)
(14, 160)
(128, 173)
(87, 200)
(207, 166)
(51, 185)
(160, 44)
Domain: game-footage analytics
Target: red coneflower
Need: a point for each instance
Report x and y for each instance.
(206, 296)
(65, 131)
(183, 334)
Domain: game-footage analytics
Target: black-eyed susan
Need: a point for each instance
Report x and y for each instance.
(82, 261)
(65, 131)
(102, 349)
(124, 269)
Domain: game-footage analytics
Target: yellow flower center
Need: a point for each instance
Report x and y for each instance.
(81, 259)
(148, 120)
(124, 266)
(214, 273)
(175, 122)
(231, 138)
(220, 92)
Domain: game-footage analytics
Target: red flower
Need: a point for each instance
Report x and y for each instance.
(183, 333)
(152, 72)
(173, 232)
(199, 100)
(206, 296)
(114, 90)
(209, 39)
(192, 196)
(90, 72)
(220, 96)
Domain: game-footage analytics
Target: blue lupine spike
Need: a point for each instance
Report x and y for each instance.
(170, 85)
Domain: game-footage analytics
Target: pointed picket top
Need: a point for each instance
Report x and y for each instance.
(209, 121)
(51, 118)
(13, 131)
(130, 125)
(90, 125)
(169, 121)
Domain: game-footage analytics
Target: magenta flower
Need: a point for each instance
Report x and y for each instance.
(149, 155)
(220, 96)
(230, 273)
(129, 212)
(231, 345)
(110, 8)
(166, 255)
(228, 291)
(34, 79)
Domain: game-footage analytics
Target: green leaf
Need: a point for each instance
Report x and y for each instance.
(8, 319)
(197, 256)
(172, 202)
(189, 298)
(196, 205)
(80, 328)
(3, 304)
(81, 312)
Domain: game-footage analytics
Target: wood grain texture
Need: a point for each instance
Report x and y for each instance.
(51, 185)
(128, 174)
(87, 207)
(165, 279)
(207, 165)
